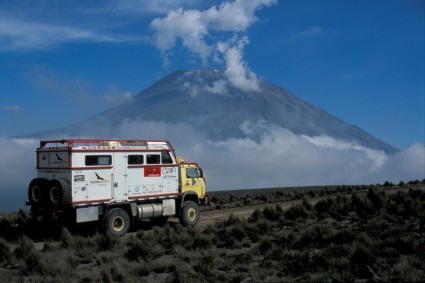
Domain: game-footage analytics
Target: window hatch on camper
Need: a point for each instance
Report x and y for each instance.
(153, 159)
(95, 160)
(135, 159)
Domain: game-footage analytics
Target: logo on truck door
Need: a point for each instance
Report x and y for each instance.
(152, 172)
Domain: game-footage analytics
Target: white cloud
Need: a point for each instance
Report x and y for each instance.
(281, 158)
(218, 87)
(234, 16)
(192, 89)
(13, 108)
(186, 25)
(197, 85)
(273, 157)
(408, 164)
(18, 34)
(311, 31)
(315, 31)
(17, 163)
(196, 30)
(237, 71)
(116, 96)
(378, 157)
(143, 7)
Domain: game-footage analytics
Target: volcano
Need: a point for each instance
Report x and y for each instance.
(206, 100)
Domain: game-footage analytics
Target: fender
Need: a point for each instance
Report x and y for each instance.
(189, 195)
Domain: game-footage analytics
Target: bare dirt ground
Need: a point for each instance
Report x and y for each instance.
(212, 216)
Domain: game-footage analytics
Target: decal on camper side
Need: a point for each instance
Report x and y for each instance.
(152, 172)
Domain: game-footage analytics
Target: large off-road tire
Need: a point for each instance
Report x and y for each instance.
(37, 190)
(189, 213)
(60, 193)
(116, 222)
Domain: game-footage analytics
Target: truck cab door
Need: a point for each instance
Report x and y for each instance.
(192, 179)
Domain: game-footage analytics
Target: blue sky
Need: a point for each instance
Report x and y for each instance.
(362, 61)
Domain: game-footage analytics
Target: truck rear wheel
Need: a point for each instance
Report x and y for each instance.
(189, 213)
(36, 190)
(60, 192)
(117, 222)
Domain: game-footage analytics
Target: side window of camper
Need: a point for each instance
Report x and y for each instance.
(95, 160)
(166, 157)
(135, 159)
(153, 159)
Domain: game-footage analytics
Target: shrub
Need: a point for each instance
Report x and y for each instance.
(414, 182)
(362, 205)
(67, 240)
(361, 255)
(272, 213)
(265, 245)
(322, 207)
(8, 226)
(5, 254)
(377, 199)
(295, 212)
(314, 236)
(204, 267)
(408, 269)
(388, 184)
(255, 216)
(233, 198)
(33, 260)
(307, 204)
(232, 219)
(202, 241)
(142, 249)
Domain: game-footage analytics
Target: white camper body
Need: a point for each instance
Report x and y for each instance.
(90, 177)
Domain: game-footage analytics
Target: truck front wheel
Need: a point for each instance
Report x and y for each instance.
(117, 222)
(189, 213)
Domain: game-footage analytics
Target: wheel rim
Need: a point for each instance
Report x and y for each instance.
(36, 193)
(118, 224)
(54, 194)
(191, 214)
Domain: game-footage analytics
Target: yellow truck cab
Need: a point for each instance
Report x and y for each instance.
(191, 178)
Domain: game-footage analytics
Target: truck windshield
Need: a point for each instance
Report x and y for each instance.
(192, 173)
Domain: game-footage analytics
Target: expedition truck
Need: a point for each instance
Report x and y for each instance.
(114, 183)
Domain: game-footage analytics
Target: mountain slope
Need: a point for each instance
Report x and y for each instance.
(206, 100)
